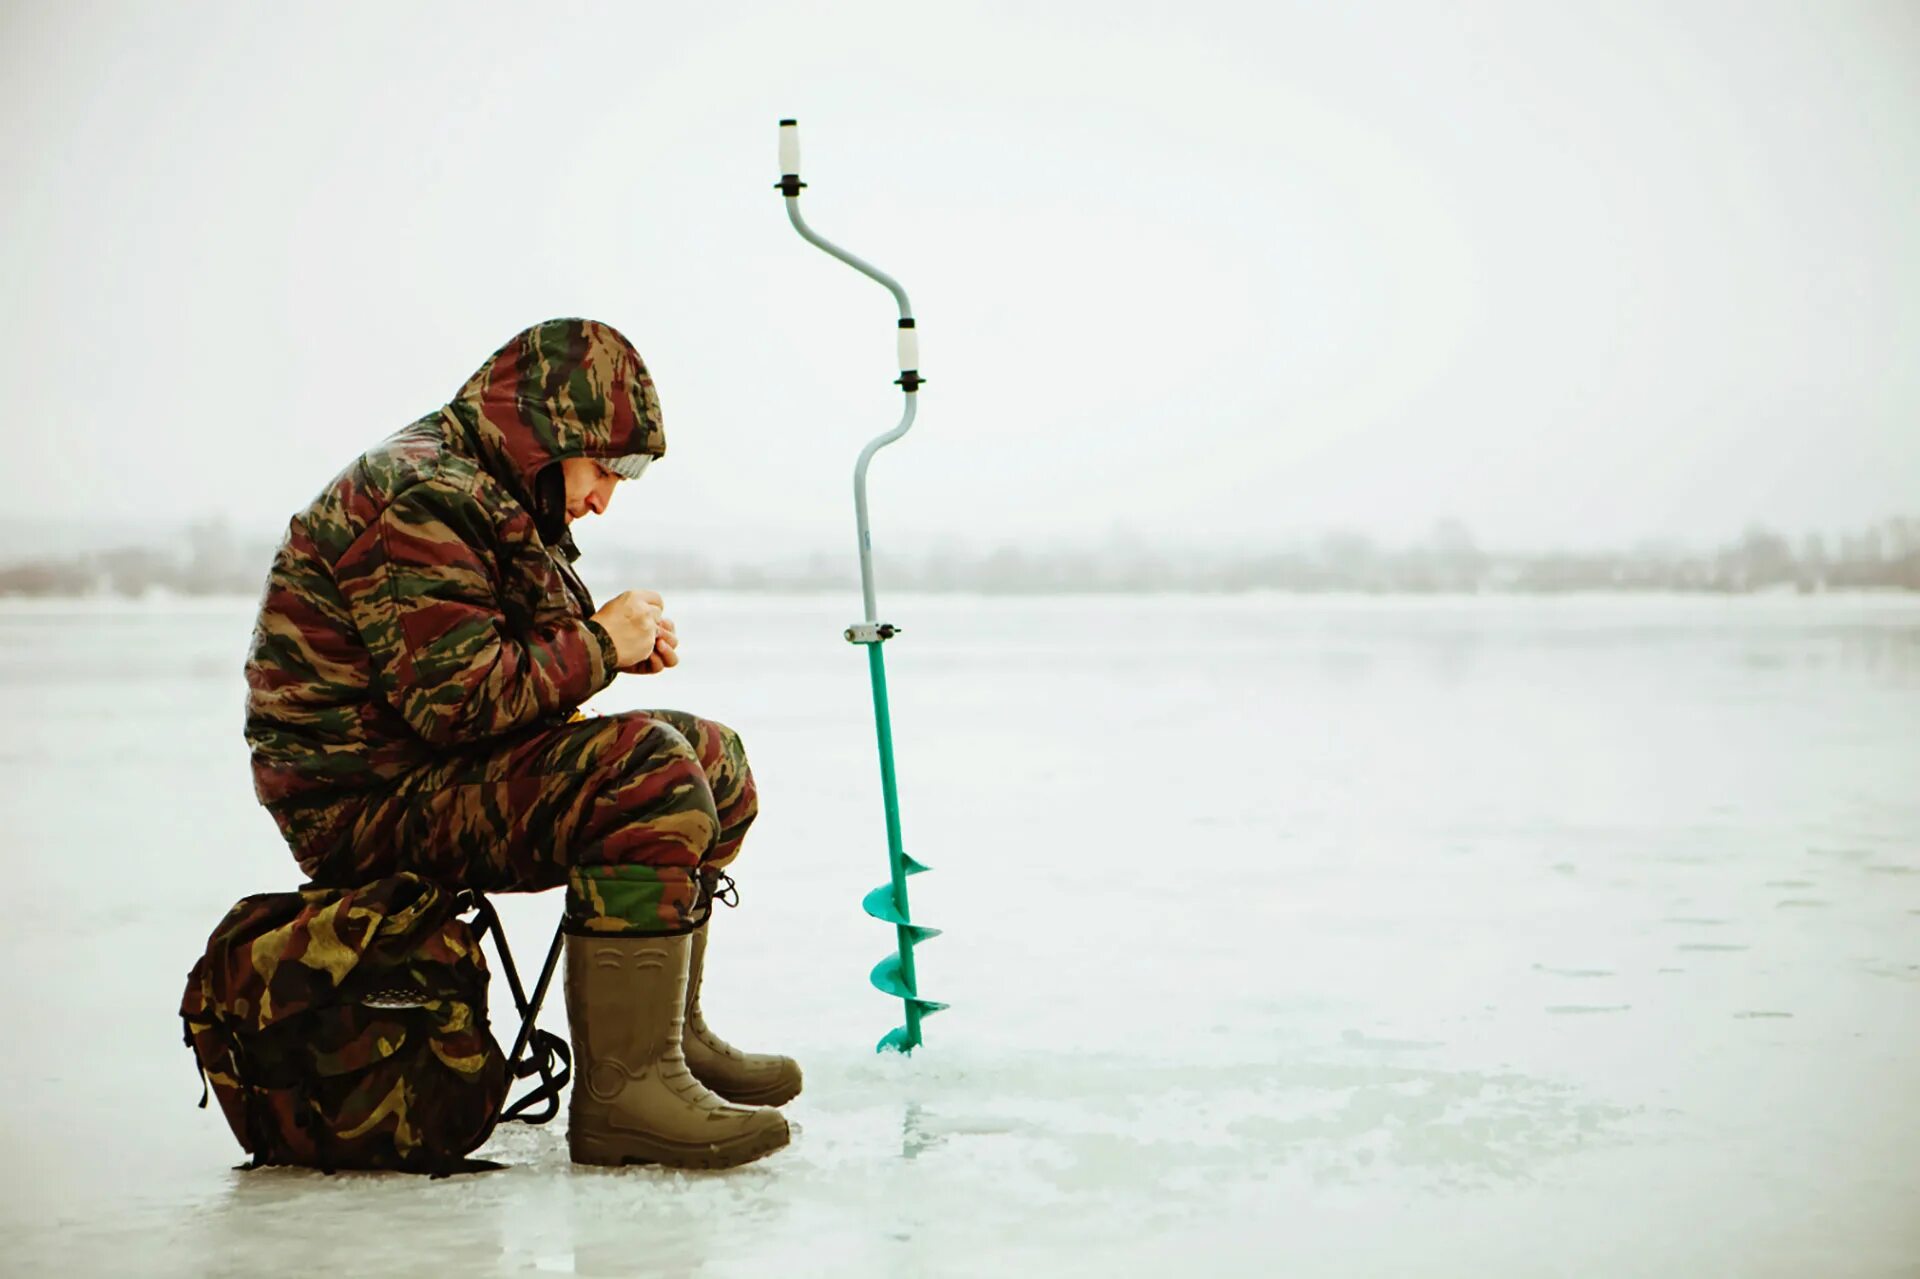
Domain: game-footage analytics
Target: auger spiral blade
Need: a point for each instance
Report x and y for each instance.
(889, 978)
(893, 975)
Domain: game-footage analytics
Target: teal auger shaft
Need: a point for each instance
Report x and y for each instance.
(895, 974)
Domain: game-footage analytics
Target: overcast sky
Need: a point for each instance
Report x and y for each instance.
(1205, 273)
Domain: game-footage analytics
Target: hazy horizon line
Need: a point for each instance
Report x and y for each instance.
(25, 539)
(210, 559)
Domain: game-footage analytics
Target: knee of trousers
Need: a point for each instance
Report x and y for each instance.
(658, 784)
(738, 798)
(730, 743)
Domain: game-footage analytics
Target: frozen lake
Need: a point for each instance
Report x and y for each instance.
(1308, 936)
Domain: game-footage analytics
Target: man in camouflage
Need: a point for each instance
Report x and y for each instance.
(421, 648)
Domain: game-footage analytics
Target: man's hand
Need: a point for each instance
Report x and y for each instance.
(633, 619)
(665, 651)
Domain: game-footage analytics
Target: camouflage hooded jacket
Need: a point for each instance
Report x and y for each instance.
(426, 598)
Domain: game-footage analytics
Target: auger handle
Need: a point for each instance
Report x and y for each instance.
(906, 346)
(790, 186)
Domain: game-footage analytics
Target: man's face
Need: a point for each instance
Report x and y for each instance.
(589, 487)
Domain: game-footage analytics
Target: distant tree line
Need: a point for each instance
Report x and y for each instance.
(210, 560)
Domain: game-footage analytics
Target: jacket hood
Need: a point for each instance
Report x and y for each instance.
(563, 388)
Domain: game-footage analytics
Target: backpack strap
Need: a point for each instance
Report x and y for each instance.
(199, 1071)
(258, 1126)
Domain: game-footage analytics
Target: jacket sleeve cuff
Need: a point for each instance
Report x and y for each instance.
(602, 657)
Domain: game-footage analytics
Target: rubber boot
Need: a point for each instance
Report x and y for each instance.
(752, 1079)
(634, 1100)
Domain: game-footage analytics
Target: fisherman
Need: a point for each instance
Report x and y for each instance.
(421, 647)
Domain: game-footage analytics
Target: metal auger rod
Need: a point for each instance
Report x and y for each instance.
(909, 343)
(903, 934)
(895, 974)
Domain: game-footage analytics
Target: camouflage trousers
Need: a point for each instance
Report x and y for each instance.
(625, 810)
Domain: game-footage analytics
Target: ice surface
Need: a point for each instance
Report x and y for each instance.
(1305, 936)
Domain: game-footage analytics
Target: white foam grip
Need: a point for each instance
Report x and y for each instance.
(789, 149)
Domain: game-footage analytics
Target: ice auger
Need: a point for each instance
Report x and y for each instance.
(887, 903)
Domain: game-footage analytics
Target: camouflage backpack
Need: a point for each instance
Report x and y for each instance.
(347, 1028)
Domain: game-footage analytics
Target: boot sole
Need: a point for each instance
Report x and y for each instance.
(616, 1152)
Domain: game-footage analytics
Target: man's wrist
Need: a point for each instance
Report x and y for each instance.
(609, 651)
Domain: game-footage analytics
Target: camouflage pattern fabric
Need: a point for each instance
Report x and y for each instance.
(423, 640)
(623, 809)
(423, 601)
(348, 1029)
